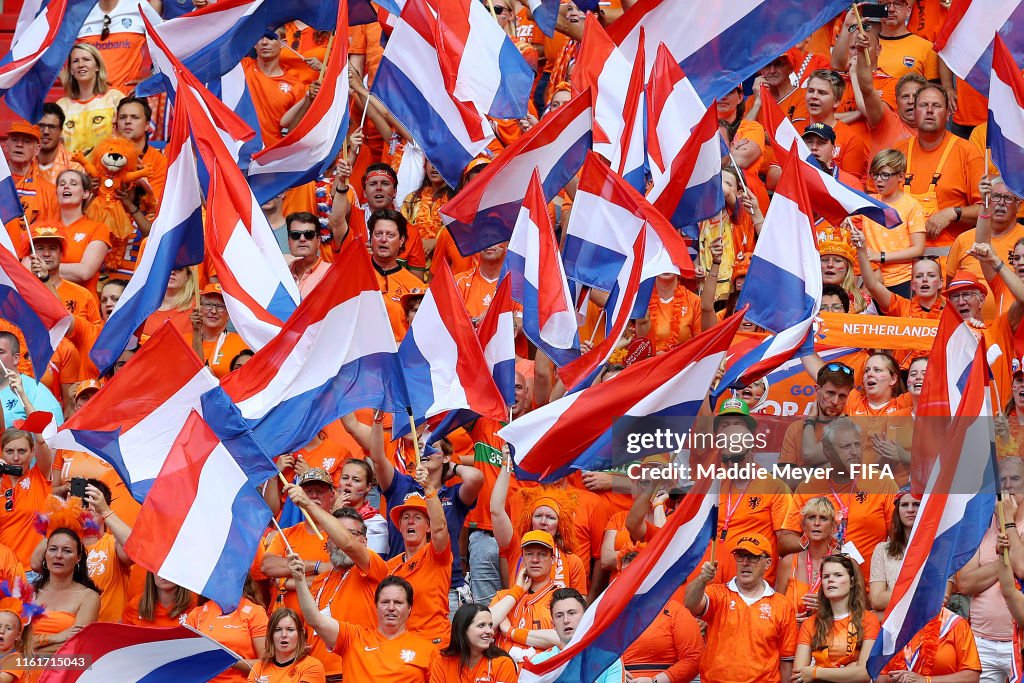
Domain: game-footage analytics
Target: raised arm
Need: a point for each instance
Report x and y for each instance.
(500, 522)
(335, 530)
(438, 524)
(878, 291)
(325, 625)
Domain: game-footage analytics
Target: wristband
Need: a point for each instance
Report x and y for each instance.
(810, 422)
(814, 673)
(316, 567)
(518, 592)
(1010, 525)
(519, 634)
(959, 212)
(986, 216)
(881, 257)
(341, 190)
(999, 267)
(108, 513)
(432, 494)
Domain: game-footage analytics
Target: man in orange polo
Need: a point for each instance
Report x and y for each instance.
(751, 629)
(477, 285)
(38, 196)
(49, 242)
(523, 612)
(346, 591)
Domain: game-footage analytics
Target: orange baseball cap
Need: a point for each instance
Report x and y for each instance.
(87, 385)
(213, 288)
(413, 501)
(47, 231)
(755, 544)
(538, 538)
(24, 128)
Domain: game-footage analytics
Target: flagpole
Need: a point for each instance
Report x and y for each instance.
(28, 229)
(366, 107)
(287, 545)
(415, 439)
(860, 28)
(988, 161)
(1002, 526)
(739, 172)
(597, 324)
(305, 513)
(327, 55)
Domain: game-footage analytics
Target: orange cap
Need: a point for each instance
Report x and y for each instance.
(47, 231)
(213, 288)
(413, 501)
(86, 386)
(24, 128)
(965, 279)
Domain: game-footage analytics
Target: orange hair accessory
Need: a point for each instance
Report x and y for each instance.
(18, 600)
(630, 547)
(563, 501)
(549, 502)
(66, 515)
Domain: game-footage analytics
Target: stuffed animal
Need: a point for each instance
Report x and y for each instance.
(114, 162)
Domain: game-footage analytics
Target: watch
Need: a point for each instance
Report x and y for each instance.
(881, 257)
(810, 422)
(959, 212)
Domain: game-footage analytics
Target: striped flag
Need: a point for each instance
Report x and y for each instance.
(965, 41)
(1006, 117)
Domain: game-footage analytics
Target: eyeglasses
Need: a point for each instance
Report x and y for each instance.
(105, 33)
(9, 498)
(1004, 199)
(833, 76)
(498, 9)
(296, 234)
(963, 296)
(211, 306)
(839, 367)
(883, 176)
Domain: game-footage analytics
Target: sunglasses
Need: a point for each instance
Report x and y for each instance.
(9, 500)
(296, 234)
(105, 33)
(926, 257)
(498, 9)
(839, 367)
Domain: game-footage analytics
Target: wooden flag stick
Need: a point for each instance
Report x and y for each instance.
(1002, 527)
(327, 55)
(305, 513)
(860, 28)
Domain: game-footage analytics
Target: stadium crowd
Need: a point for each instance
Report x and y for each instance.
(444, 566)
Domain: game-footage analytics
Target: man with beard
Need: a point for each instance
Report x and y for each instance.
(751, 629)
(864, 501)
(345, 592)
(943, 170)
(53, 157)
(998, 226)
(801, 444)
(747, 504)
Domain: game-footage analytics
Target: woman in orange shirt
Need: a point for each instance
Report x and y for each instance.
(86, 241)
(673, 316)
(835, 644)
(163, 603)
(422, 207)
(23, 495)
(179, 300)
(71, 599)
(243, 631)
(799, 579)
(471, 654)
(285, 657)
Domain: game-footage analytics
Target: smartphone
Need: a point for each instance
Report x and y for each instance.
(78, 485)
(873, 10)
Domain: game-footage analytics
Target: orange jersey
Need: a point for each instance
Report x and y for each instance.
(393, 284)
(476, 291)
(445, 250)
(306, 670)
(857, 405)
(161, 615)
(971, 105)
(843, 649)
(566, 570)
(903, 55)
(10, 567)
(672, 643)
(370, 656)
(532, 612)
(17, 526)
(305, 543)
(38, 197)
(365, 40)
(676, 321)
(958, 179)
(110, 576)
(762, 507)
(79, 235)
(864, 509)
(488, 458)
(497, 670)
(348, 595)
(234, 631)
(64, 369)
(430, 573)
(882, 239)
(272, 97)
(219, 352)
(957, 259)
(764, 632)
(181, 320)
(955, 648)
(79, 301)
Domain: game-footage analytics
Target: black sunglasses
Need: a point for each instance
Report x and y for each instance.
(296, 234)
(105, 33)
(9, 504)
(498, 9)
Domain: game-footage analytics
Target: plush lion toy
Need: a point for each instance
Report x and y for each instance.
(115, 163)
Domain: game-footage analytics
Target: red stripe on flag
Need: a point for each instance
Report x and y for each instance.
(665, 74)
(172, 494)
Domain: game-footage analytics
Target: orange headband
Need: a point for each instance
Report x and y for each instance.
(379, 174)
(547, 502)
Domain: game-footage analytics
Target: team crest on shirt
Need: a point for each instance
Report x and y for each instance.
(328, 464)
(79, 236)
(126, 22)
(766, 611)
(285, 87)
(407, 656)
(909, 62)
(862, 496)
(25, 483)
(97, 562)
(753, 502)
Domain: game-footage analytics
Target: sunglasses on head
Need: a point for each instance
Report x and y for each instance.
(296, 234)
(926, 257)
(105, 32)
(839, 367)
(9, 500)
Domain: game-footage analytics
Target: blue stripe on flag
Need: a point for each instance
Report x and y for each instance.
(249, 518)
(197, 667)
(510, 100)
(1007, 156)
(15, 309)
(778, 306)
(591, 264)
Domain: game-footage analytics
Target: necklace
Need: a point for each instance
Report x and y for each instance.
(675, 324)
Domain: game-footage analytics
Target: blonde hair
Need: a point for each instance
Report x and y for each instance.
(100, 87)
(819, 506)
(892, 158)
(186, 297)
(857, 301)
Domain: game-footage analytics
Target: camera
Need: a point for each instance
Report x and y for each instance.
(13, 470)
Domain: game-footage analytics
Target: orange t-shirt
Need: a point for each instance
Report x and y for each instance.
(450, 670)
(308, 546)
(487, 457)
(38, 197)
(180, 319)
(307, 670)
(672, 643)
(161, 615)
(445, 250)
(887, 133)
(476, 291)
(865, 507)
(675, 322)
(764, 633)
(393, 285)
(125, 56)
(430, 573)
(370, 656)
(957, 259)
(365, 40)
(349, 596)
(906, 54)
(958, 182)
(851, 152)
(110, 576)
(219, 354)
(272, 97)
(843, 649)
(857, 406)
(79, 235)
(926, 18)
(234, 631)
(971, 105)
(10, 567)
(63, 369)
(956, 651)
(881, 238)
(17, 527)
(79, 301)
(900, 307)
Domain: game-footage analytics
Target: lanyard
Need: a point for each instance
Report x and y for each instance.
(731, 509)
(844, 510)
(323, 587)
